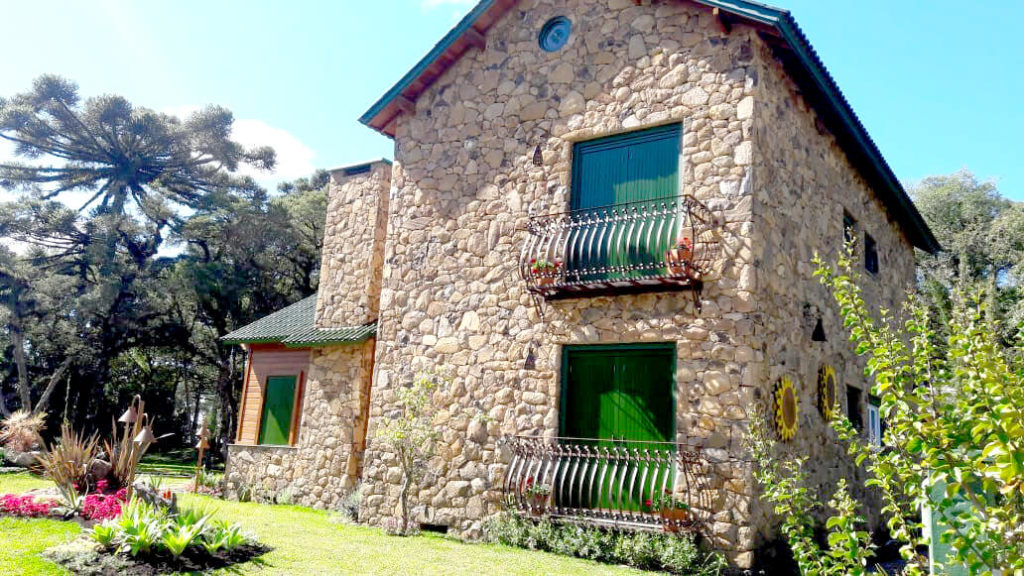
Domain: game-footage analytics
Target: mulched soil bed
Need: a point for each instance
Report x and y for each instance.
(84, 557)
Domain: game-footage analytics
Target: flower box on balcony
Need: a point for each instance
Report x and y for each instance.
(676, 519)
(544, 272)
(679, 258)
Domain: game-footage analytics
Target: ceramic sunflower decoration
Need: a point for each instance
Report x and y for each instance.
(787, 409)
(827, 392)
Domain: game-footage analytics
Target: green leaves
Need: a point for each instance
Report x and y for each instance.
(954, 406)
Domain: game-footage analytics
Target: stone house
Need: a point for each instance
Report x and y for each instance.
(598, 226)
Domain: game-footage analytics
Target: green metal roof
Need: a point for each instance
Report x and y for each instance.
(294, 327)
(804, 65)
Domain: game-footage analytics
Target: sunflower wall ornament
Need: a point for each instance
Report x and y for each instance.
(827, 392)
(787, 409)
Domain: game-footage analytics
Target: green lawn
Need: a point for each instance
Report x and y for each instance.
(305, 541)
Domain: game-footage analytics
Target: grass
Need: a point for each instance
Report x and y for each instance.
(22, 482)
(305, 541)
(22, 540)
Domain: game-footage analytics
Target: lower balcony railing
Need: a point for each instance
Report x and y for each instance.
(647, 245)
(624, 484)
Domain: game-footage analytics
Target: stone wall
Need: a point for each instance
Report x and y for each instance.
(803, 182)
(464, 185)
(353, 251)
(323, 466)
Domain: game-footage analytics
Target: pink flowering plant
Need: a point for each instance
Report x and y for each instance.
(25, 506)
(102, 506)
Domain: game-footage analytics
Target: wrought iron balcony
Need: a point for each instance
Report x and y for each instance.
(668, 243)
(640, 485)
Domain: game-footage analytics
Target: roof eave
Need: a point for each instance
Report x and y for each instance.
(381, 113)
(785, 25)
(779, 21)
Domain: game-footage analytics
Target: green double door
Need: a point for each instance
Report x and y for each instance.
(634, 171)
(621, 395)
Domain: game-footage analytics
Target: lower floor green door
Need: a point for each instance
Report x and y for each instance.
(618, 396)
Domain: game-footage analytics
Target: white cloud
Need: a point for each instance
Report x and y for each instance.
(294, 159)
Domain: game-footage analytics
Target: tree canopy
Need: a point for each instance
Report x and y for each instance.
(94, 307)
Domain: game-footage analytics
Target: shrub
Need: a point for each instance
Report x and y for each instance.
(227, 536)
(67, 462)
(953, 405)
(145, 529)
(411, 435)
(26, 506)
(678, 554)
(104, 534)
(19, 432)
(141, 526)
(209, 483)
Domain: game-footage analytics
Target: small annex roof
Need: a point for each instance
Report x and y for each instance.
(777, 27)
(294, 327)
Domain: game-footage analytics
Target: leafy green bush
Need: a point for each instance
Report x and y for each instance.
(678, 554)
(144, 529)
(104, 534)
(953, 404)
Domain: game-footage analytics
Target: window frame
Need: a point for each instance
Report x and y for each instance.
(874, 427)
(671, 347)
(854, 412)
(871, 255)
(293, 425)
(849, 227)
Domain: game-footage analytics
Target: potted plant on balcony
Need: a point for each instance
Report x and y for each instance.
(679, 258)
(544, 271)
(537, 495)
(675, 514)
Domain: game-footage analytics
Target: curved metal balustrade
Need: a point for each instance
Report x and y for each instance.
(610, 483)
(667, 243)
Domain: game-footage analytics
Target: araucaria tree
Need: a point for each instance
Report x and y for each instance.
(410, 434)
(135, 170)
(954, 412)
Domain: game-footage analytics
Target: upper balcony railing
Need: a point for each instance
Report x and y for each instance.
(618, 483)
(647, 245)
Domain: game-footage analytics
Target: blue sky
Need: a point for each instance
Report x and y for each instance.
(937, 83)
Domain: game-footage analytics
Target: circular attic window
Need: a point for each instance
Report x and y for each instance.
(555, 34)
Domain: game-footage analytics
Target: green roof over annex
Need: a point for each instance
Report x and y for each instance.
(295, 327)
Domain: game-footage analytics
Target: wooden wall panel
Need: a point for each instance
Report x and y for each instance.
(269, 360)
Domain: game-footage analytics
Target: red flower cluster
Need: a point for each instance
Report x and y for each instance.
(25, 506)
(99, 506)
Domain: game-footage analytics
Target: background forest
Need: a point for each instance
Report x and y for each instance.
(129, 291)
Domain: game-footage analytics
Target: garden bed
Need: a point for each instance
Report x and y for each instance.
(82, 557)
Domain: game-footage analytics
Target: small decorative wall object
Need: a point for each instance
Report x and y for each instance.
(787, 409)
(827, 392)
(555, 34)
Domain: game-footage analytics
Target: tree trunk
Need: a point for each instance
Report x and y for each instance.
(18, 343)
(44, 398)
(228, 402)
(403, 497)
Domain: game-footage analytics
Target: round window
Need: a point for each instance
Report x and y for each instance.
(555, 34)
